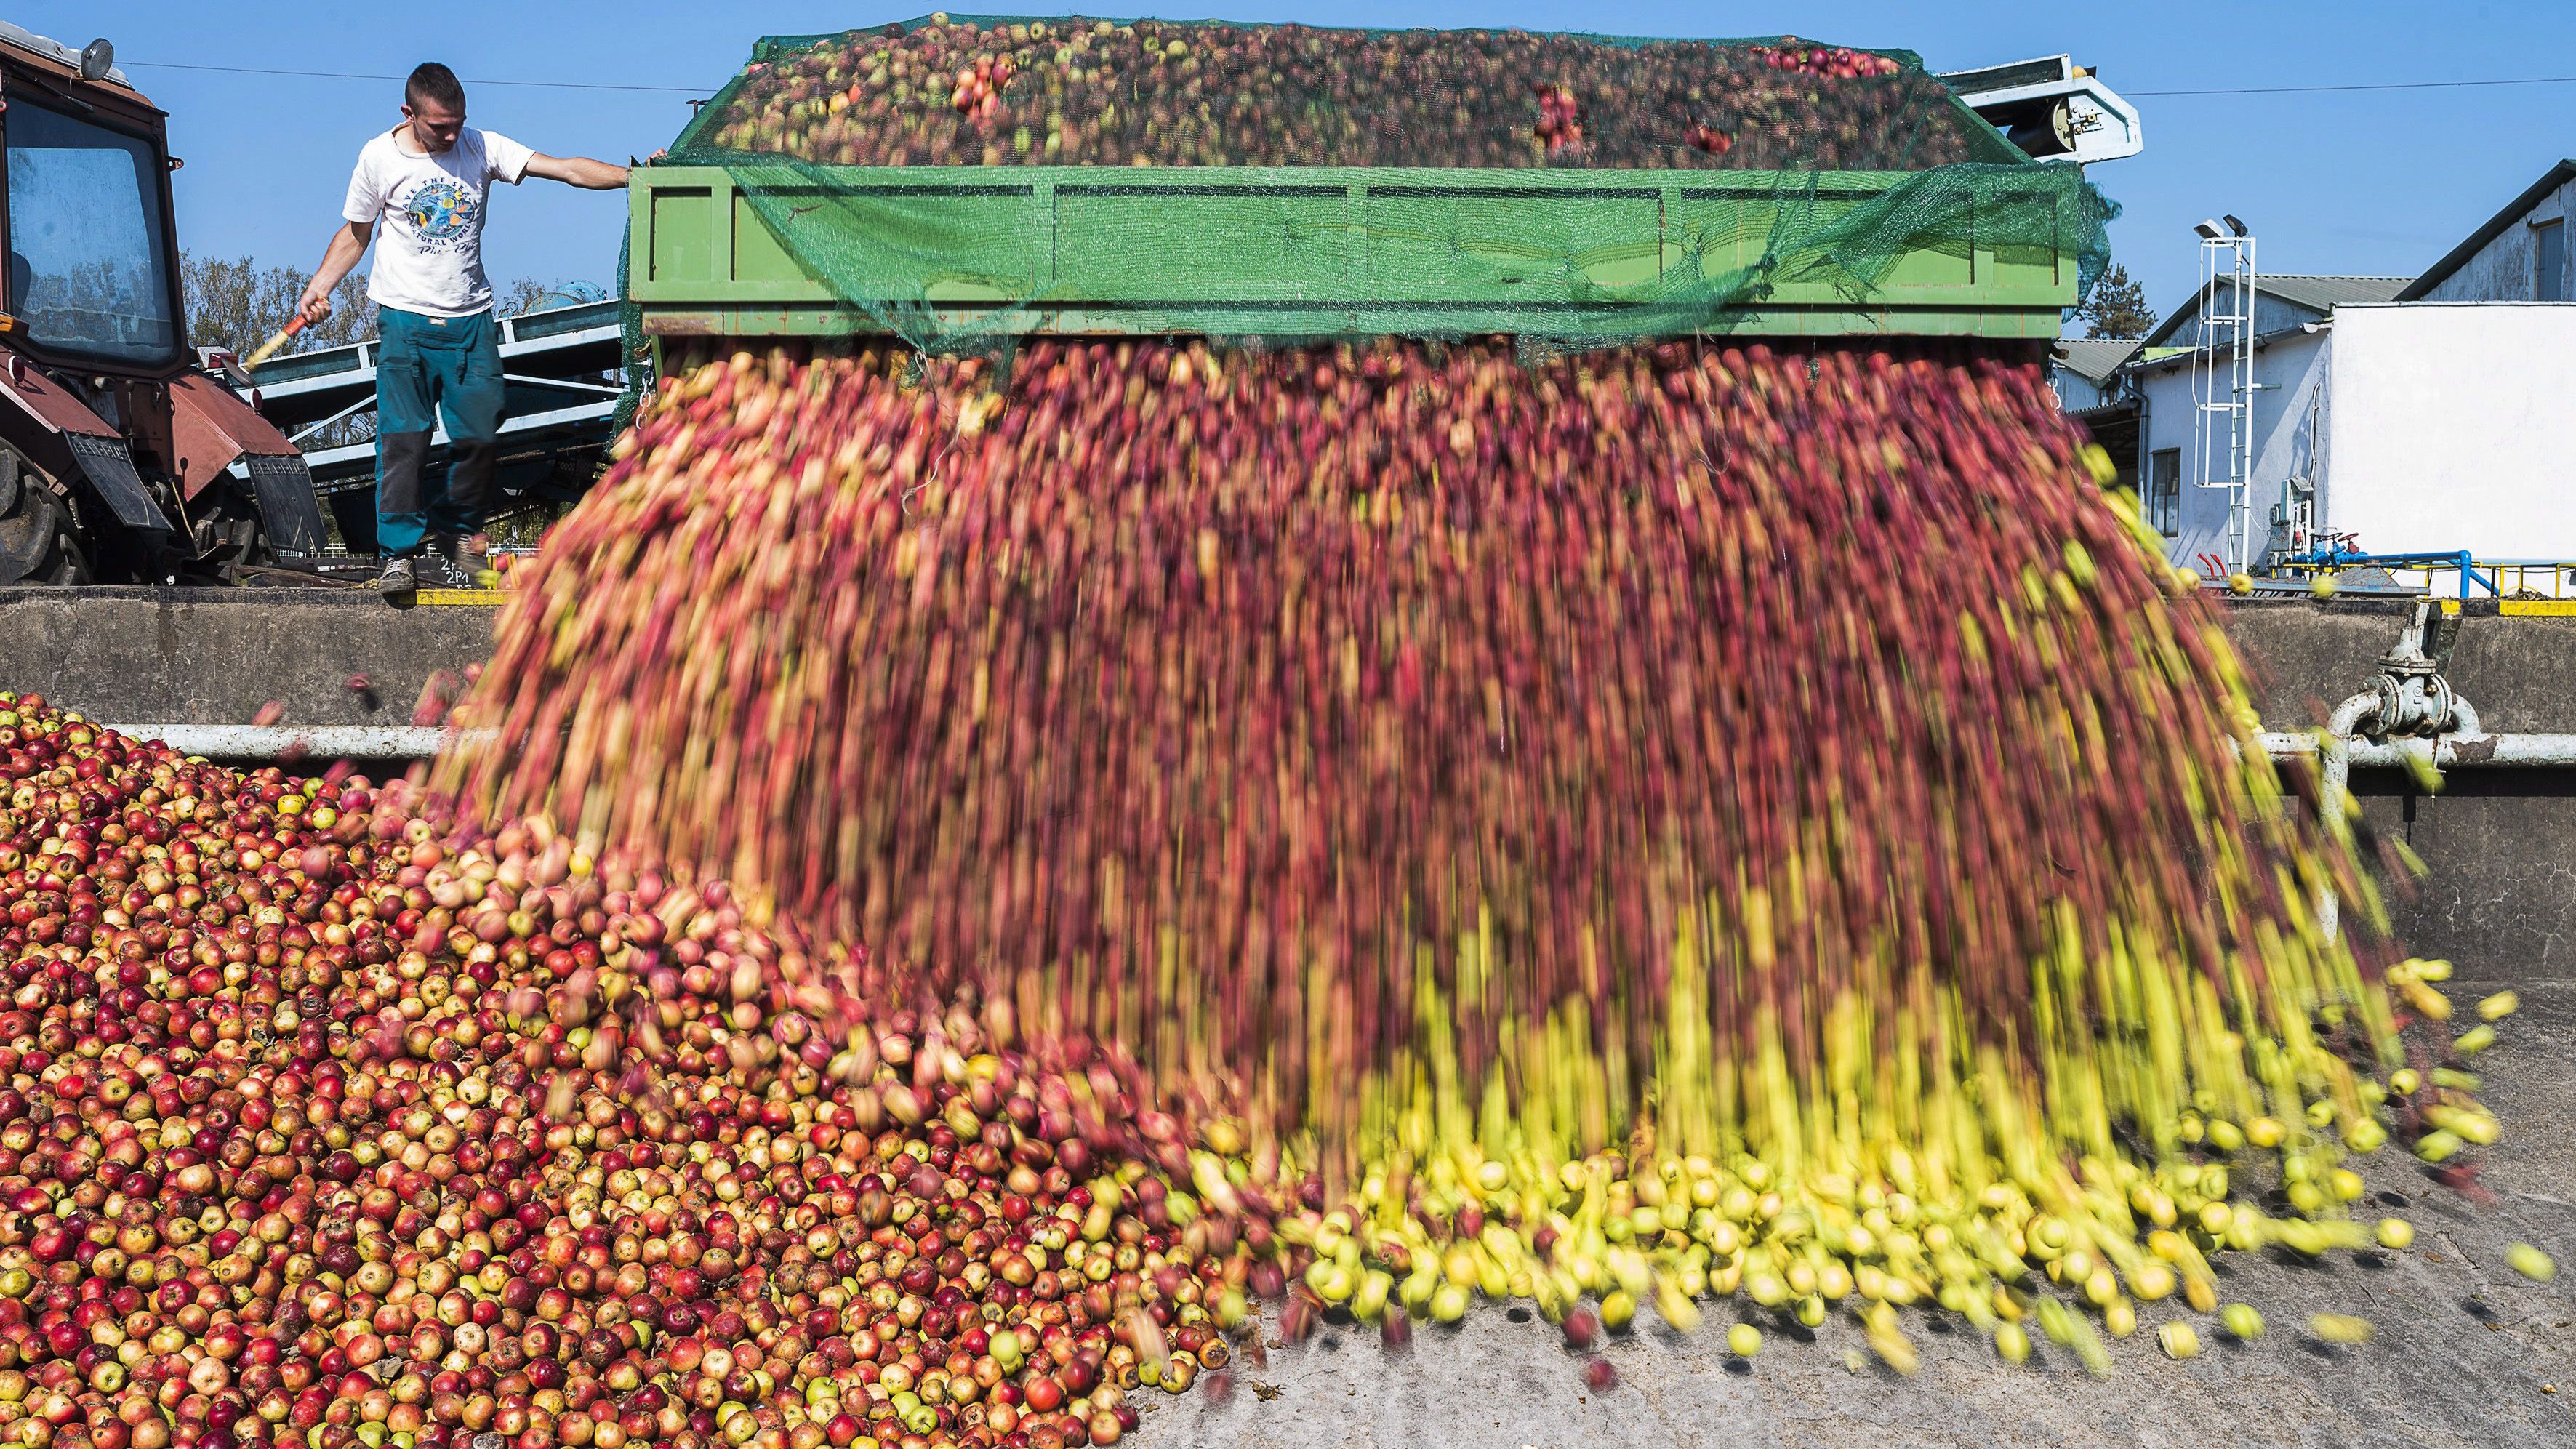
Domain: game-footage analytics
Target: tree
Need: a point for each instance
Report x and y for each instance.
(238, 304)
(2118, 307)
(522, 294)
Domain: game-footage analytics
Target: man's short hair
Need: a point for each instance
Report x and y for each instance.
(433, 82)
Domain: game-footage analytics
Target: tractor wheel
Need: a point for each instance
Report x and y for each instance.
(39, 539)
(231, 546)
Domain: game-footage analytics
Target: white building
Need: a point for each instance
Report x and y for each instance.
(2086, 372)
(2093, 389)
(2398, 416)
(2292, 315)
(2452, 426)
(2520, 255)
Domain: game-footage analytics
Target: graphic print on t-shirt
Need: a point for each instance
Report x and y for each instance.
(440, 210)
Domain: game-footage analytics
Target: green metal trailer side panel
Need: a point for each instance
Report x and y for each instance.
(1300, 251)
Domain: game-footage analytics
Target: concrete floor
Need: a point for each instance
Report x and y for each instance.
(2463, 1350)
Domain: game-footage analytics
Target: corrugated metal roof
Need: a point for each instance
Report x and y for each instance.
(2150, 358)
(2319, 294)
(2458, 256)
(2323, 293)
(2096, 358)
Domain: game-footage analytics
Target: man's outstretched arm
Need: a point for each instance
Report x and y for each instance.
(578, 171)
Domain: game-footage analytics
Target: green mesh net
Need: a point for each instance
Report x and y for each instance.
(1287, 181)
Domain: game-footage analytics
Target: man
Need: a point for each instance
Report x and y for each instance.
(428, 180)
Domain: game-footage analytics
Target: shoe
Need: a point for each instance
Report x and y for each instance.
(397, 578)
(437, 571)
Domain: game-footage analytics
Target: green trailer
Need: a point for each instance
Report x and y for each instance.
(737, 242)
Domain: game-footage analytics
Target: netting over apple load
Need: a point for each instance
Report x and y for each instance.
(1818, 166)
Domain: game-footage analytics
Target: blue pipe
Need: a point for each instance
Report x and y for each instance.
(2337, 558)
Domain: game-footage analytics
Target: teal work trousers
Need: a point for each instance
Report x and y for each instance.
(434, 370)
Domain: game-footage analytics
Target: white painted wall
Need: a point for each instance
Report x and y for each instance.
(2076, 392)
(2502, 270)
(2454, 426)
(2271, 315)
(2291, 368)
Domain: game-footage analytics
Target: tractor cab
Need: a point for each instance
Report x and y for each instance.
(119, 461)
(93, 268)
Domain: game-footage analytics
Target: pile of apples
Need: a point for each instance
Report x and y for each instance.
(1077, 92)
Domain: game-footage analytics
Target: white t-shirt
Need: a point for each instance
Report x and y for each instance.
(429, 245)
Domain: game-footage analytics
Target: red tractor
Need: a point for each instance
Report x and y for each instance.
(120, 460)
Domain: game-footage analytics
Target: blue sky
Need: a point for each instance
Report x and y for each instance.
(2367, 182)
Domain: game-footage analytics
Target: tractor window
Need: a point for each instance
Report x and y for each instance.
(88, 264)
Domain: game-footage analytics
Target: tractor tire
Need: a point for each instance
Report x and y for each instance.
(39, 539)
(231, 543)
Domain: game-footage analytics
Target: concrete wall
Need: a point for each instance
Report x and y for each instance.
(2502, 270)
(2519, 671)
(2454, 426)
(2501, 894)
(214, 656)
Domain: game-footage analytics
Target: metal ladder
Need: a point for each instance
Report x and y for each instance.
(2223, 386)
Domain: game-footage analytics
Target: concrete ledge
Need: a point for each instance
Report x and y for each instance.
(215, 656)
(2518, 669)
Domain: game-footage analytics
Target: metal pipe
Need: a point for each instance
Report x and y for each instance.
(2451, 752)
(2427, 563)
(2335, 774)
(2469, 747)
(279, 742)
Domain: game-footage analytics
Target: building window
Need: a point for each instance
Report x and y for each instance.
(2164, 490)
(2549, 258)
